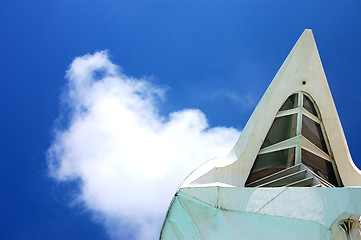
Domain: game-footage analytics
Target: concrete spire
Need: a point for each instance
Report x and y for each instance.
(290, 174)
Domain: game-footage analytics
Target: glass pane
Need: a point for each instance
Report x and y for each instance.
(320, 166)
(312, 131)
(308, 105)
(282, 128)
(269, 163)
(290, 103)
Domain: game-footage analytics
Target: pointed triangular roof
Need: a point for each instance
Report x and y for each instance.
(302, 72)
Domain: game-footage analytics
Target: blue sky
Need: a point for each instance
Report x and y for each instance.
(196, 66)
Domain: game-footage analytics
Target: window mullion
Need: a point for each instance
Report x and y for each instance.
(299, 128)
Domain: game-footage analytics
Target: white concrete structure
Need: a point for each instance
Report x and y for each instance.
(289, 176)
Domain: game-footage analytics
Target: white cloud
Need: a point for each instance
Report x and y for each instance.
(128, 159)
(247, 101)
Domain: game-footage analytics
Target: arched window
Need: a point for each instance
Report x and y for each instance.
(295, 151)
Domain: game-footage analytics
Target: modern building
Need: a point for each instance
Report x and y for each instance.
(290, 175)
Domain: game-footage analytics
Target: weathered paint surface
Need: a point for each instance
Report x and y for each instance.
(263, 213)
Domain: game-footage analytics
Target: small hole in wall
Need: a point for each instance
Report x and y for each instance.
(303, 82)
